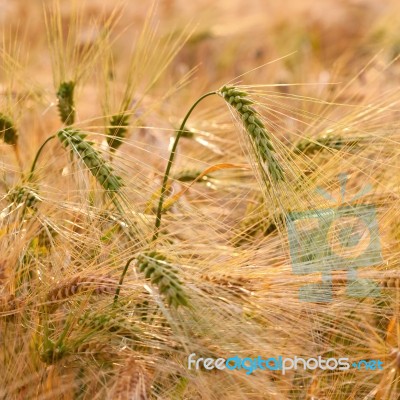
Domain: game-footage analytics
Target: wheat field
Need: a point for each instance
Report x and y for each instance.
(184, 180)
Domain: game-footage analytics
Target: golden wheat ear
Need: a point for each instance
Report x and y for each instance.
(96, 284)
(131, 382)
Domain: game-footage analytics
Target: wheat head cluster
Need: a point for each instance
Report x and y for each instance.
(151, 157)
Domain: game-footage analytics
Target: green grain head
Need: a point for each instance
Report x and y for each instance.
(24, 194)
(161, 273)
(7, 130)
(117, 130)
(93, 160)
(66, 107)
(260, 137)
(310, 146)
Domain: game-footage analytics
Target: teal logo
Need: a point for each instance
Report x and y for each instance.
(335, 239)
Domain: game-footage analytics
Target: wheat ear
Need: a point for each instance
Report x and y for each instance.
(309, 146)
(9, 134)
(53, 352)
(24, 194)
(391, 281)
(161, 273)
(96, 284)
(99, 168)
(113, 322)
(189, 175)
(262, 142)
(117, 130)
(7, 130)
(131, 382)
(66, 107)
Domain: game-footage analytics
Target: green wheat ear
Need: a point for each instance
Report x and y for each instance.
(117, 130)
(24, 194)
(161, 273)
(310, 146)
(7, 130)
(99, 168)
(262, 142)
(66, 107)
(189, 175)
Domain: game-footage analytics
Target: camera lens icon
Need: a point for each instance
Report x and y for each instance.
(342, 239)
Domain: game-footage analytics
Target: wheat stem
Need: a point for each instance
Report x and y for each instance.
(121, 280)
(169, 165)
(38, 155)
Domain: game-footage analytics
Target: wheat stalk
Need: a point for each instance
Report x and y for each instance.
(180, 132)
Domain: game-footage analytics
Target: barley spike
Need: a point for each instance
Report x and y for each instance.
(7, 130)
(66, 107)
(262, 143)
(161, 273)
(99, 168)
